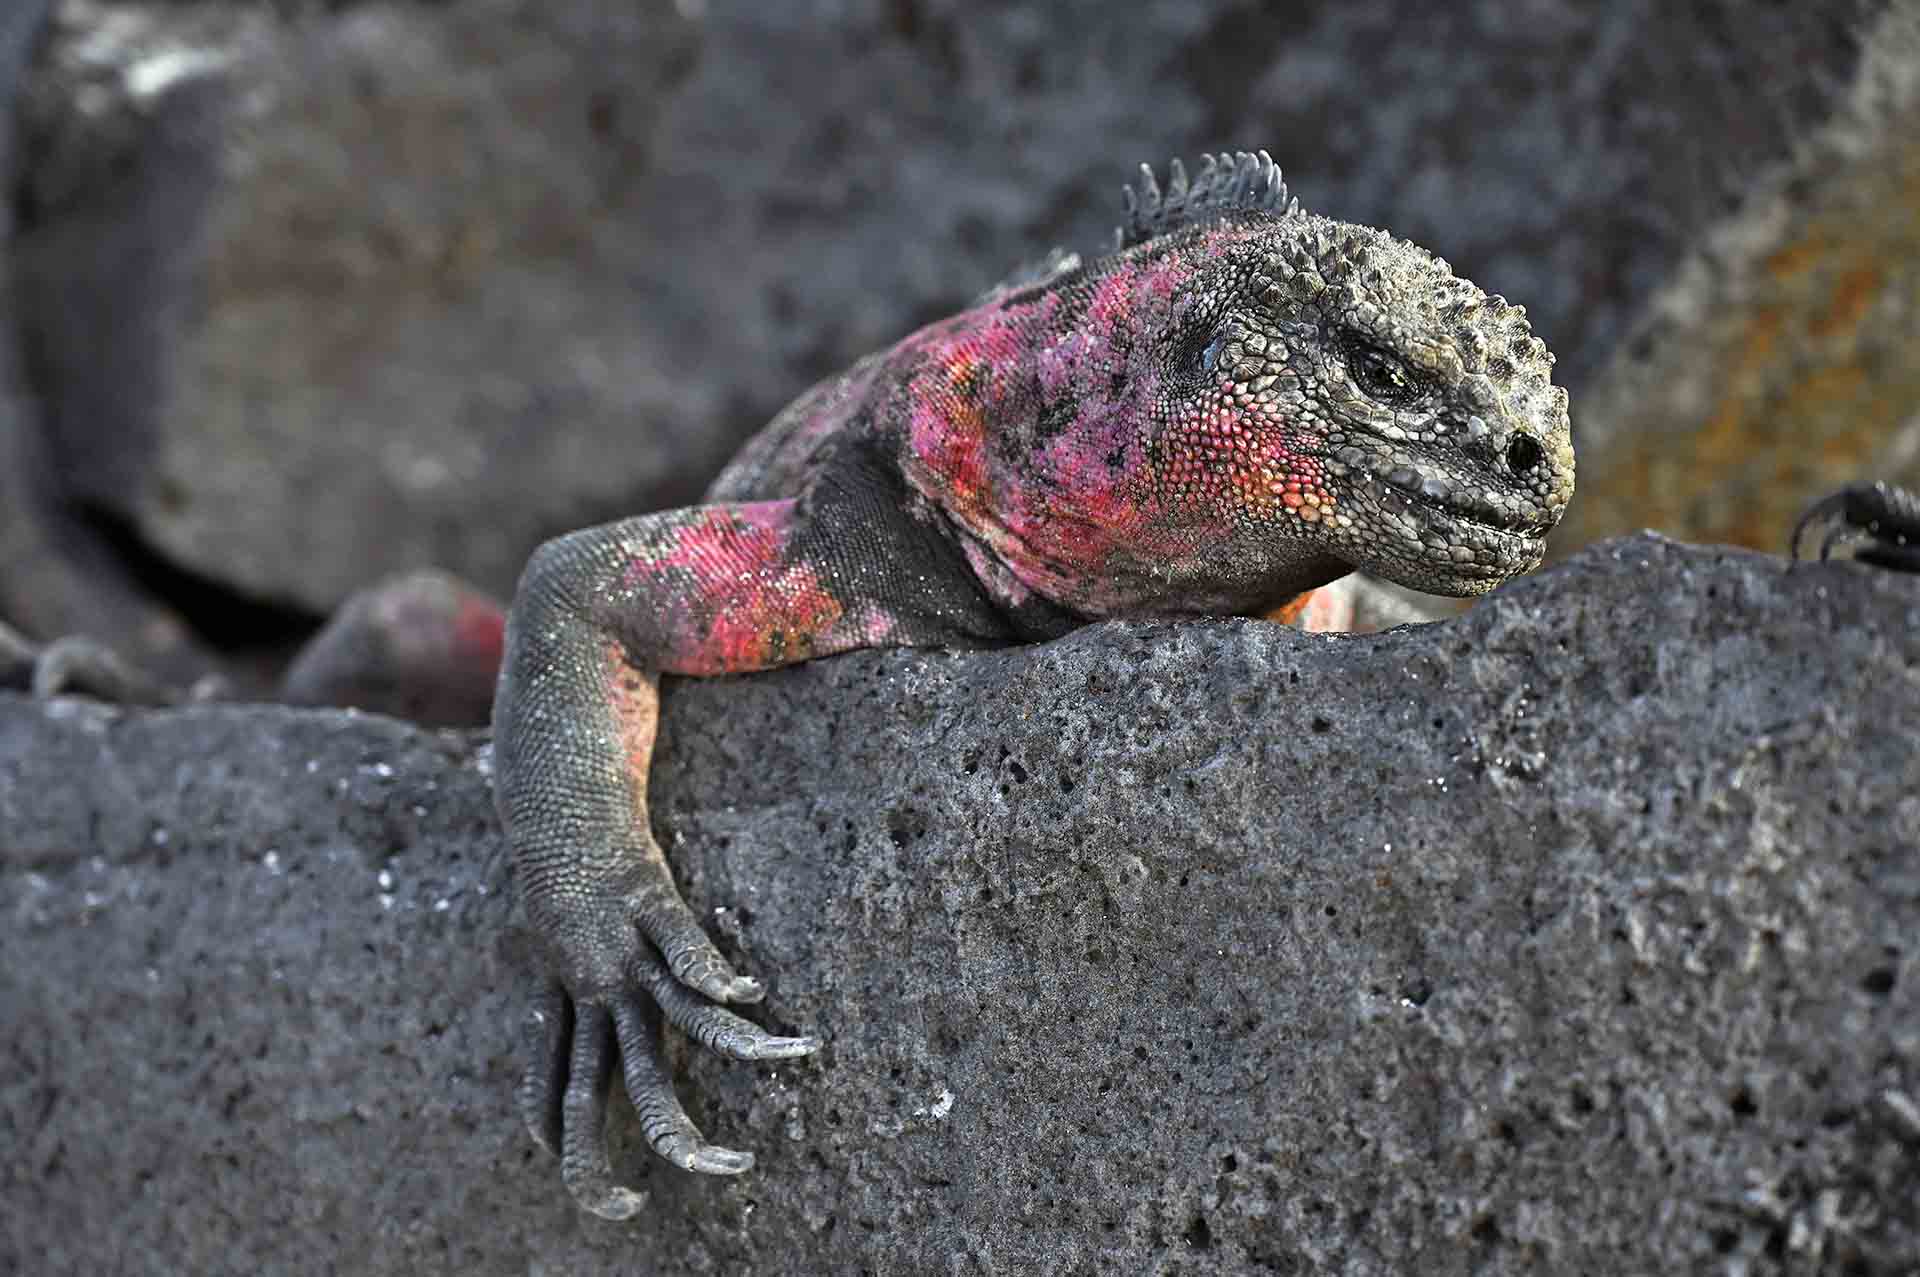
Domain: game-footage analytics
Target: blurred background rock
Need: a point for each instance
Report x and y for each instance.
(304, 295)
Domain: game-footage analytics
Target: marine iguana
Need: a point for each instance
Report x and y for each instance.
(1238, 403)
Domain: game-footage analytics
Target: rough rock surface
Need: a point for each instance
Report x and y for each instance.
(320, 293)
(1574, 935)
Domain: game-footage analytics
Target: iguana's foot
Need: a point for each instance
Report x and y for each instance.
(77, 664)
(1881, 522)
(632, 959)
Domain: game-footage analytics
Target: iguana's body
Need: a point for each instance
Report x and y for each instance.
(1240, 404)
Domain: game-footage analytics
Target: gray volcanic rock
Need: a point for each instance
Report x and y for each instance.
(323, 300)
(1573, 935)
(20, 24)
(323, 293)
(58, 577)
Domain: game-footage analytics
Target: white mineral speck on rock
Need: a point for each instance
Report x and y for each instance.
(1904, 1112)
(153, 75)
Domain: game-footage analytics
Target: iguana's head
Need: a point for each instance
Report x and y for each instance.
(1330, 386)
(1241, 402)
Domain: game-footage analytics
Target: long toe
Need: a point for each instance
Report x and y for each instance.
(669, 1131)
(584, 1164)
(547, 1031)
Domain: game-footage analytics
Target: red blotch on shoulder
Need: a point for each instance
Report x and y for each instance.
(748, 606)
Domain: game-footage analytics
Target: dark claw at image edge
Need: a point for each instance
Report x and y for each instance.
(1881, 521)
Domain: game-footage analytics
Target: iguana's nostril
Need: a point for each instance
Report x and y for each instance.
(1524, 453)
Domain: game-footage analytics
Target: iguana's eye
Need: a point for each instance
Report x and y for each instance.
(1200, 352)
(1210, 354)
(1381, 375)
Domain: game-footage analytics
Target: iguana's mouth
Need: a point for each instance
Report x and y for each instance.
(1459, 532)
(1426, 493)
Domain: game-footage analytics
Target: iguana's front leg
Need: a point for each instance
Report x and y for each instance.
(599, 615)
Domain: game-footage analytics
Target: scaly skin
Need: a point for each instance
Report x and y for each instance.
(1241, 403)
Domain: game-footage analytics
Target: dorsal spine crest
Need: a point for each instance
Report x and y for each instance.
(1227, 183)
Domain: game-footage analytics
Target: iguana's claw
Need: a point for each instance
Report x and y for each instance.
(574, 1045)
(664, 918)
(80, 664)
(1883, 521)
(713, 1027)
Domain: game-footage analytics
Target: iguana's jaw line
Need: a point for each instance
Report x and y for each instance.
(1495, 550)
(1454, 500)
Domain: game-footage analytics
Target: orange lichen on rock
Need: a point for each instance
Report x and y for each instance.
(1784, 362)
